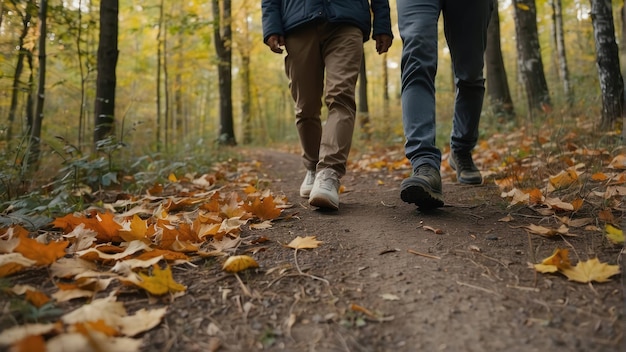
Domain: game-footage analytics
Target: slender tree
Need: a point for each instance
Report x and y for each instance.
(159, 114)
(559, 40)
(23, 52)
(497, 84)
(35, 139)
(607, 61)
(107, 62)
(222, 34)
(363, 106)
(529, 60)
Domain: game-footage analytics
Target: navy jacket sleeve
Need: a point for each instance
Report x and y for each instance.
(382, 18)
(272, 18)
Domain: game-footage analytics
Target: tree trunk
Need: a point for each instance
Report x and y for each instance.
(35, 140)
(607, 61)
(529, 57)
(497, 83)
(246, 80)
(159, 141)
(104, 107)
(222, 33)
(559, 40)
(363, 108)
(19, 67)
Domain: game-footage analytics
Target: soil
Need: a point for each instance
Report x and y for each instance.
(389, 277)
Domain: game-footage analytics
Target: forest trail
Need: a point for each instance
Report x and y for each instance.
(388, 277)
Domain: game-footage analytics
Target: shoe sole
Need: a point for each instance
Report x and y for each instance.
(305, 194)
(420, 195)
(322, 202)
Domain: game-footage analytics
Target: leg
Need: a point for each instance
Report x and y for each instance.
(465, 26)
(417, 20)
(342, 50)
(305, 70)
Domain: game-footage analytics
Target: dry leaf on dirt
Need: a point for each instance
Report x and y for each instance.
(564, 179)
(548, 232)
(559, 259)
(13, 262)
(591, 270)
(615, 235)
(308, 242)
(618, 162)
(159, 283)
(239, 263)
(92, 341)
(19, 332)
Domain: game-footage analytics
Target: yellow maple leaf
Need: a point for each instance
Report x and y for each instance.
(135, 229)
(308, 242)
(590, 270)
(559, 259)
(160, 282)
(615, 235)
(239, 263)
(523, 7)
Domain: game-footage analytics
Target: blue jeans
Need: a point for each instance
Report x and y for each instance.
(465, 27)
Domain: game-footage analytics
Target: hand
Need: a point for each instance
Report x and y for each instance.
(275, 42)
(383, 42)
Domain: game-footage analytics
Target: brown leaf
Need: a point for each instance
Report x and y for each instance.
(239, 263)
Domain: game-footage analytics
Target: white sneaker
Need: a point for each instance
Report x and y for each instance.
(307, 184)
(325, 192)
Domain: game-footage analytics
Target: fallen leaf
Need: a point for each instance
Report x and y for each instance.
(564, 179)
(618, 162)
(143, 320)
(158, 284)
(389, 297)
(548, 232)
(94, 341)
(308, 242)
(13, 262)
(591, 270)
(558, 260)
(16, 333)
(615, 235)
(237, 263)
(430, 228)
(42, 254)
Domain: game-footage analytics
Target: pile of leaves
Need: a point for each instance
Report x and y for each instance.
(130, 244)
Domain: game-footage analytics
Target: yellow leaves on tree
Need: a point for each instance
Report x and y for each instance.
(159, 283)
(583, 272)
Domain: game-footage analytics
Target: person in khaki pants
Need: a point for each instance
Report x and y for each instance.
(324, 44)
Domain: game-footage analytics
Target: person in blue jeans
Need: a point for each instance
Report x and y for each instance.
(465, 27)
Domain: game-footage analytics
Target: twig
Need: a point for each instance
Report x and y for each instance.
(478, 288)
(423, 254)
(243, 286)
(295, 258)
(524, 288)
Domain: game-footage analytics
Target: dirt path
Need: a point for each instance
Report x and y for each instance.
(390, 278)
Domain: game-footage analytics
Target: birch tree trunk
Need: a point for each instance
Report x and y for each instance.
(607, 62)
(559, 40)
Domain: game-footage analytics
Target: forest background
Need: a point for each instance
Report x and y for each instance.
(194, 75)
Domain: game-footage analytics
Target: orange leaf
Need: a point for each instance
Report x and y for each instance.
(599, 176)
(619, 162)
(12, 263)
(42, 254)
(564, 179)
(558, 260)
(30, 343)
(98, 325)
(264, 209)
(102, 223)
(37, 298)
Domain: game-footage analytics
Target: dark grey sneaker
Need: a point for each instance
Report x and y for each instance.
(466, 171)
(423, 188)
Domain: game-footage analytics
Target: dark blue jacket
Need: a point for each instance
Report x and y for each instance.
(281, 16)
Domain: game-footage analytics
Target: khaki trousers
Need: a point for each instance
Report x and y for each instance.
(324, 55)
